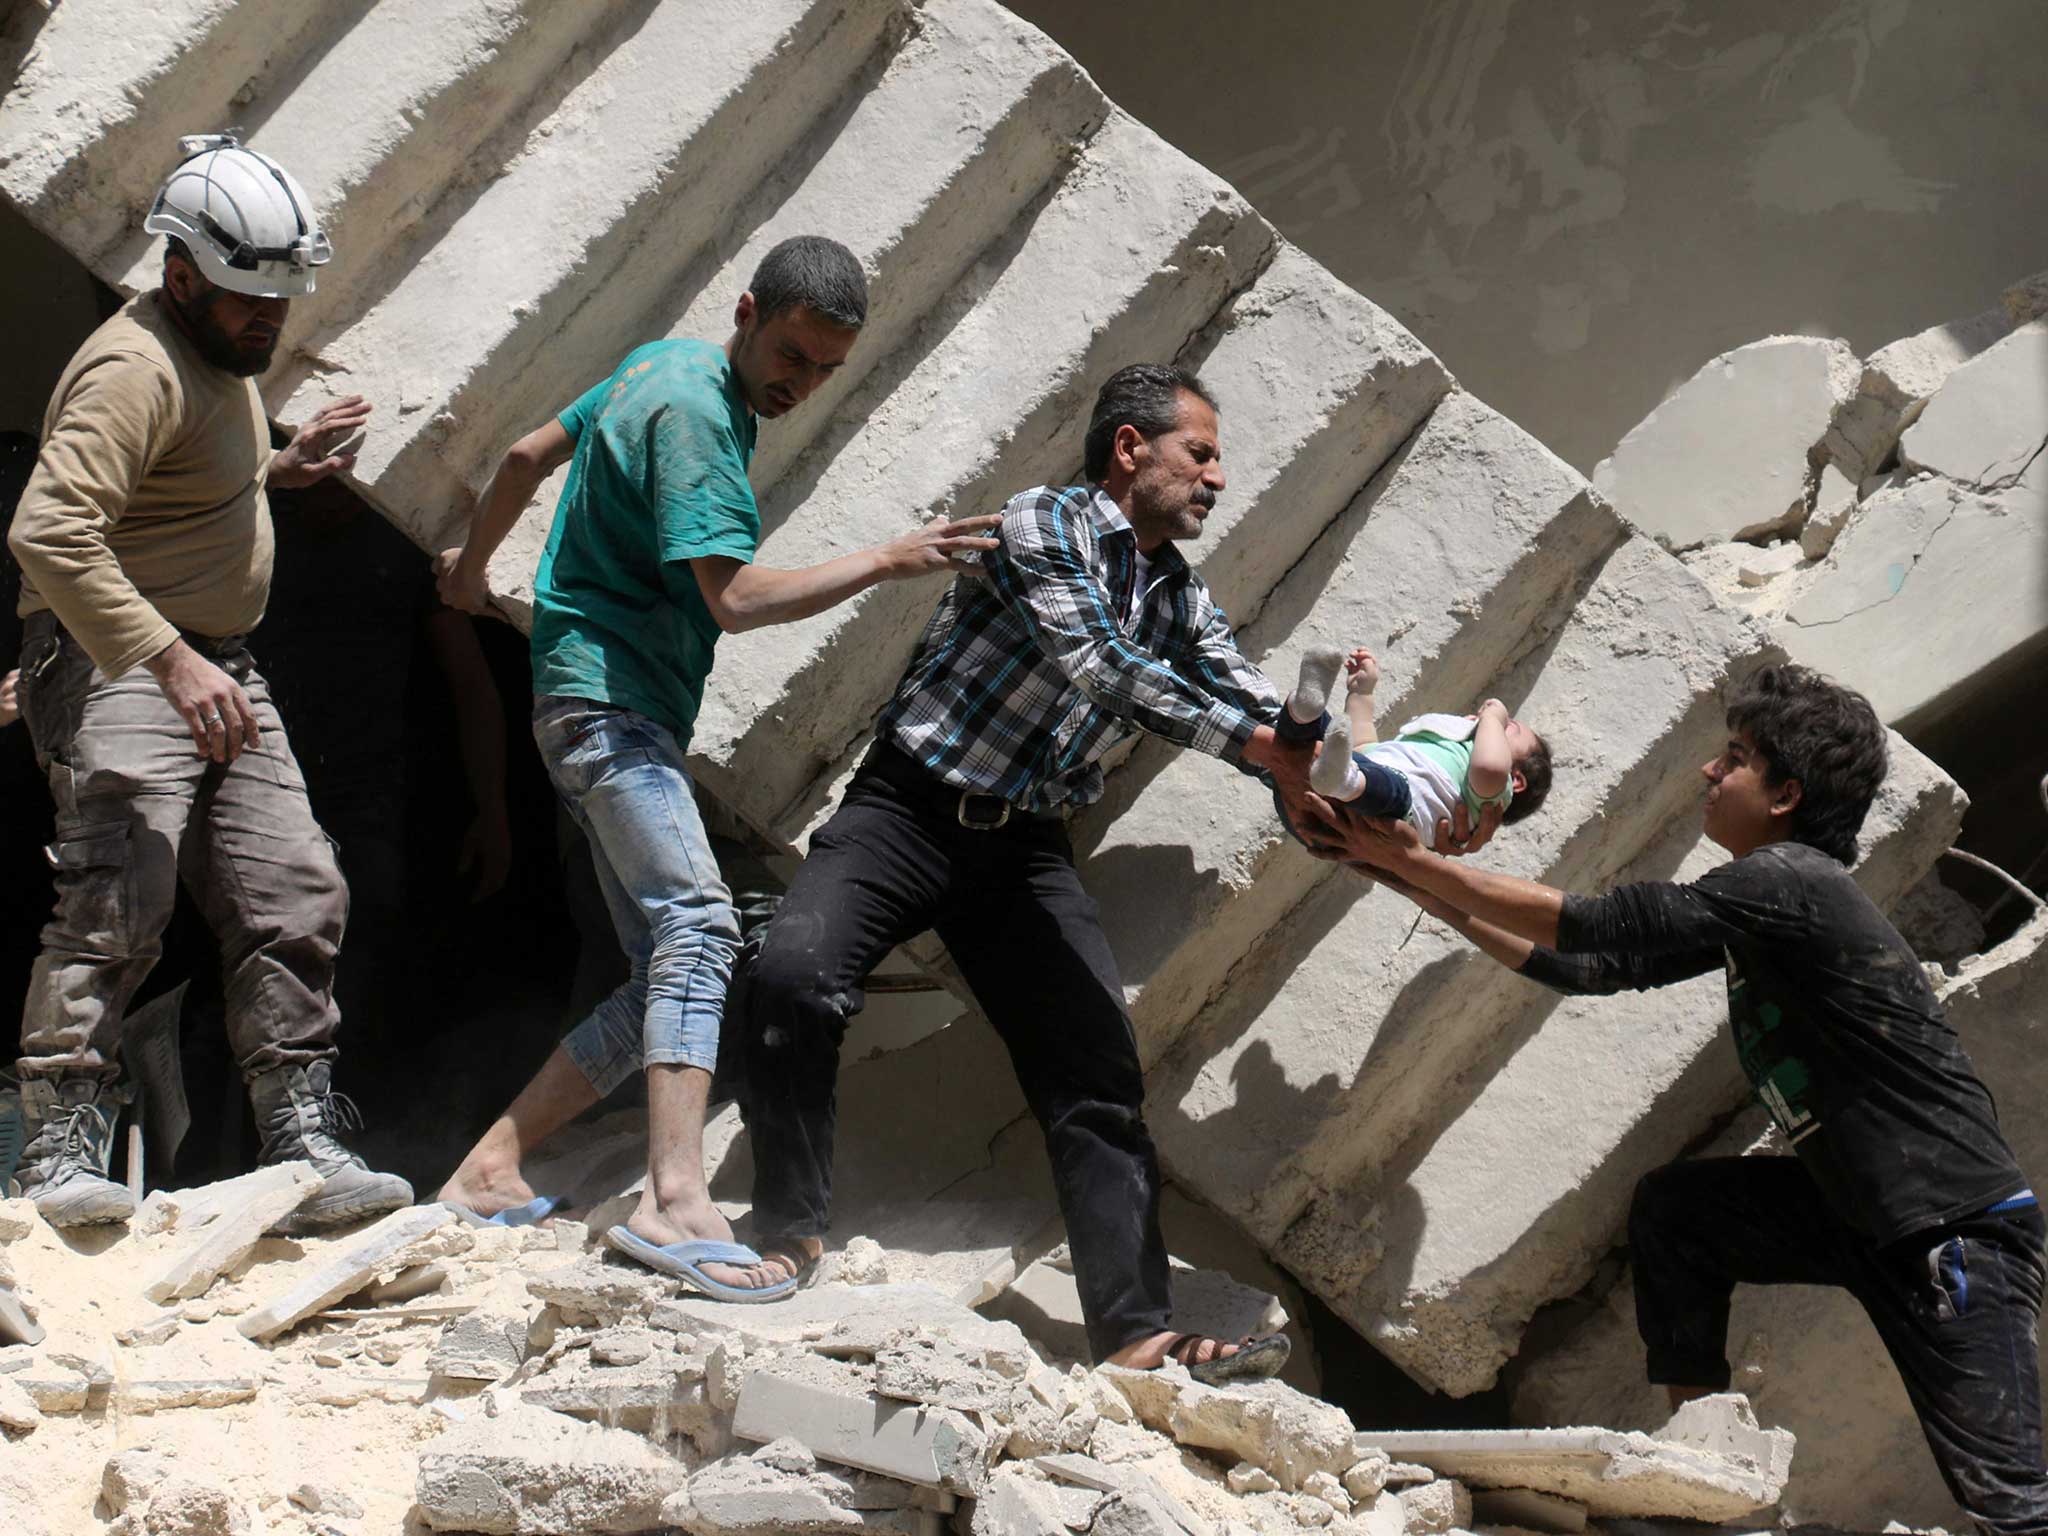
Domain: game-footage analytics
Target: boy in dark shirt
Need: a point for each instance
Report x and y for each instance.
(1902, 1190)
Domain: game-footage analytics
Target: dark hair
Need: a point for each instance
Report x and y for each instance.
(820, 274)
(1145, 396)
(1810, 728)
(1528, 800)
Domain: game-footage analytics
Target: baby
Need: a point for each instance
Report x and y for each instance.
(1433, 763)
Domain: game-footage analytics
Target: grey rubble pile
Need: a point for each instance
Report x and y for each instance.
(1887, 517)
(421, 1372)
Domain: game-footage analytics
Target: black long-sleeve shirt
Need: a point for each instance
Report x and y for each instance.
(1835, 1023)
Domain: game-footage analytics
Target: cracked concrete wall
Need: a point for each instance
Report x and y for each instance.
(526, 191)
(1574, 206)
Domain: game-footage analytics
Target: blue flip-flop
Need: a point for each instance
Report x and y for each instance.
(531, 1214)
(681, 1260)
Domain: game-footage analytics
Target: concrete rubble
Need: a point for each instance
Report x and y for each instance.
(520, 191)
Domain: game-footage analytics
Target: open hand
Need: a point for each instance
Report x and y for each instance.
(943, 544)
(10, 702)
(1457, 837)
(1380, 842)
(324, 446)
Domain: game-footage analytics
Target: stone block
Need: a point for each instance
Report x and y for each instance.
(183, 1505)
(1987, 426)
(494, 1340)
(597, 1292)
(527, 1472)
(318, 1283)
(131, 1476)
(261, 1199)
(1288, 1434)
(1614, 1475)
(933, 1447)
(54, 1388)
(763, 1495)
(1726, 455)
(1932, 590)
(1137, 1487)
(1433, 1508)
(1017, 1503)
(930, 1365)
(664, 1393)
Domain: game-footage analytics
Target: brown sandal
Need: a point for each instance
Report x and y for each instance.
(1254, 1360)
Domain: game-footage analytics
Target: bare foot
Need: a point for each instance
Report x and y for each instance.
(1149, 1353)
(485, 1190)
(663, 1225)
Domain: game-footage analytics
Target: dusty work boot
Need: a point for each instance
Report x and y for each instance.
(303, 1118)
(64, 1166)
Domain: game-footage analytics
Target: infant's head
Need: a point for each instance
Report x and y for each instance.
(1531, 777)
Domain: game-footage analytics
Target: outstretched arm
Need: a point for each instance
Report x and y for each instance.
(743, 596)
(460, 573)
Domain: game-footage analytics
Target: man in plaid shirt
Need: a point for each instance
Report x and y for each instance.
(1090, 627)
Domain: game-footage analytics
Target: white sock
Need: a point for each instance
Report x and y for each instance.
(1321, 666)
(1333, 774)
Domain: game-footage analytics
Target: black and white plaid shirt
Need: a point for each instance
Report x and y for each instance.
(1022, 681)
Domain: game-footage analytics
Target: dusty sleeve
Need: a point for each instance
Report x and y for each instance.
(1600, 974)
(103, 436)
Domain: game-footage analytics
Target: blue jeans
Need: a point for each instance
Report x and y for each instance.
(622, 777)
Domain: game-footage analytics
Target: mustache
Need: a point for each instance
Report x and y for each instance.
(1202, 497)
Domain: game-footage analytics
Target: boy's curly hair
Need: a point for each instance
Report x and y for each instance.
(1810, 728)
(1535, 788)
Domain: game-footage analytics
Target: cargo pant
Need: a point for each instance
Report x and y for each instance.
(137, 810)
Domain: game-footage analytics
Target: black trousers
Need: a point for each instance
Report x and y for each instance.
(1956, 1308)
(892, 862)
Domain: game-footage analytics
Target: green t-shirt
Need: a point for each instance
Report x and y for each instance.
(659, 479)
(1453, 754)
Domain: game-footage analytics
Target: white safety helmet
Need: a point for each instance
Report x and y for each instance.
(247, 224)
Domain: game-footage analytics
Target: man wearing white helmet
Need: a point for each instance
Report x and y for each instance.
(145, 544)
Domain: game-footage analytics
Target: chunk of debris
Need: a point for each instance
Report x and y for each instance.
(1266, 1423)
(492, 1341)
(1020, 1504)
(18, 1218)
(18, 1411)
(596, 1293)
(188, 1506)
(665, 1392)
(1139, 1488)
(1429, 1509)
(622, 1346)
(131, 1476)
(1724, 1468)
(1987, 426)
(935, 1447)
(259, 1200)
(321, 1282)
(774, 1493)
(156, 1331)
(1726, 455)
(318, 1500)
(1834, 503)
(527, 1472)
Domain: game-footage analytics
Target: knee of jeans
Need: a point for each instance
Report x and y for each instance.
(1649, 1206)
(787, 991)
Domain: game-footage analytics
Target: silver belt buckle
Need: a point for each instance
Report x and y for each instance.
(960, 812)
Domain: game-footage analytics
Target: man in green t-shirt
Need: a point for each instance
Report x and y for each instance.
(648, 562)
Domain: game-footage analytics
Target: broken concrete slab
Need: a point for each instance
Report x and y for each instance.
(340, 1272)
(1024, 1503)
(1834, 503)
(1613, 1474)
(259, 1200)
(934, 1447)
(527, 1472)
(846, 1320)
(1727, 454)
(1988, 425)
(493, 1340)
(1272, 1426)
(663, 1394)
(1930, 591)
(1135, 1484)
(598, 1292)
(54, 1388)
(767, 1494)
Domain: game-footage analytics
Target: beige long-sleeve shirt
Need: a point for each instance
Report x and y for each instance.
(146, 513)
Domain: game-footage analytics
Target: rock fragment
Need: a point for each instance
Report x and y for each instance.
(494, 1340)
(1834, 503)
(527, 1472)
(1433, 1508)
(18, 1411)
(934, 1447)
(131, 1476)
(1266, 1423)
(259, 1200)
(18, 1218)
(320, 1284)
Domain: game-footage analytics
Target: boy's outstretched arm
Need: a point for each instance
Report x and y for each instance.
(460, 573)
(1521, 908)
(1492, 759)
